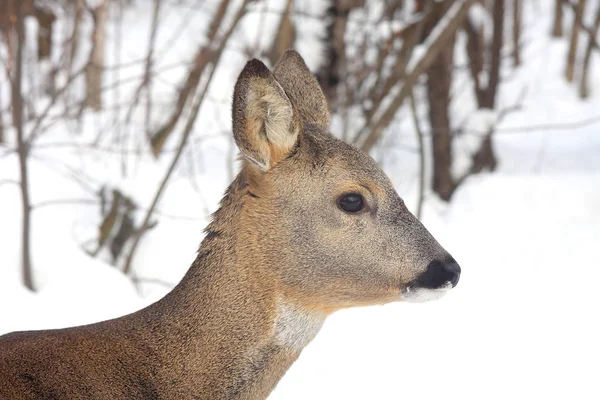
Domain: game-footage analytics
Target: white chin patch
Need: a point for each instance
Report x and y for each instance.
(420, 295)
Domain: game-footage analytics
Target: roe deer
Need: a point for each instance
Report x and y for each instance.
(309, 226)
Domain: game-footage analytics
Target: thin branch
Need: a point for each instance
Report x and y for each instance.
(149, 66)
(23, 151)
(55, 202)
(10, 182)
(186, 131)
(202, 59)
(145, 83)
(35, 132)
(419, 131)
(212, 62)
(155, 281)
(411, 35)
(437, 40)
(166, 178)
(95, 202)
(550, 127)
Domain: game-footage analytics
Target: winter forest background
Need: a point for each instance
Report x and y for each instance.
(115, 147)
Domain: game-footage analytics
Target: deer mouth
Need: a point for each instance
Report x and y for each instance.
(415, 294)
(434, 282)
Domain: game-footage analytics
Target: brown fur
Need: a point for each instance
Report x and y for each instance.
(277, 258)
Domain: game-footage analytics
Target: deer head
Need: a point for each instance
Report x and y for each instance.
(323, 209)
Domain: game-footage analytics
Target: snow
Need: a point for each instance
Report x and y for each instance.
(522, 322)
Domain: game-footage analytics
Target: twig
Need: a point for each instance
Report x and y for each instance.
(55, 202)
(117, 94)
(10, 182)
(144, 85)
(23, 151)
(149, 65)
(411, 36)
(92, 202)
(35, 132)
(138, 280)
(419, 131)
(70, 172)
(165, 180)
(202, 59)
(437, 40)
(187, 129)
(550, 127)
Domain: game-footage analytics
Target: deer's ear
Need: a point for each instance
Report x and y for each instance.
(302, 89)
(264, 126)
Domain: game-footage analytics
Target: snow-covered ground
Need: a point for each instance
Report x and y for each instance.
(522, 323)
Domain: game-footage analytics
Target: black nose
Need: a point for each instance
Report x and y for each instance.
(438, 273)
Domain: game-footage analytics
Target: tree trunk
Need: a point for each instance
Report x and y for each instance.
(439, 81)
(286, 35)
(45, 20)
(77, 9)
(334, 68)
(93, 73)
(557, 26)
(421, 145)
(489, 99)
(516, 32)
(485, 157)
(584, 87)
(572, 55)
(475, 53)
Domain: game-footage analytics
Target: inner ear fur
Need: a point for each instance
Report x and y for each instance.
(265, 126)
(302, 89)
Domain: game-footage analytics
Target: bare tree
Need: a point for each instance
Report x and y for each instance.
(22, 149)
(572, 54)
(584, 86)
(72, 48)
(557, 25)
(202, 59)
(485, 158)
(372, 131)
(93, 74)
(208, 57)
(421, 144)
(45, 20)
(286, 34)
(516, 32)
(439, 82)
(334, 69)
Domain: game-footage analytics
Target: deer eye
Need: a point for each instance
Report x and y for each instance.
(351, 202)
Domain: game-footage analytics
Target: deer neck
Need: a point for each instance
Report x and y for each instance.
(231, 331)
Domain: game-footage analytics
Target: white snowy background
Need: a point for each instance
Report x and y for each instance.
(524, 321)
